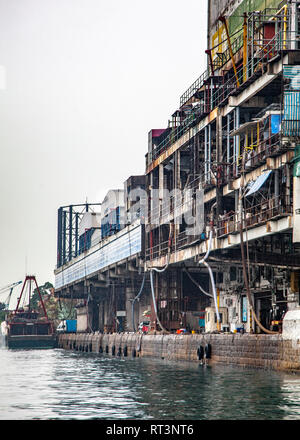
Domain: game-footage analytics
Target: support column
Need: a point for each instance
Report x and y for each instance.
(59, 237)
(130, 294)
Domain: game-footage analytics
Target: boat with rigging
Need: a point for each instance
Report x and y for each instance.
(25, 327)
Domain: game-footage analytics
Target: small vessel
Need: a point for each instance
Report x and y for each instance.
(24, 327)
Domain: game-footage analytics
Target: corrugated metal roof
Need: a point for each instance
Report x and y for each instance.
(291, 119)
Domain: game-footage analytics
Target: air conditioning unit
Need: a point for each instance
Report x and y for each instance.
(211, 323)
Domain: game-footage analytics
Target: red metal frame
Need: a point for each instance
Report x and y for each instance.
(31, 278)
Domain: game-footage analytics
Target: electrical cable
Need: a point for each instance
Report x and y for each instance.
(246, 281)
(247, 286)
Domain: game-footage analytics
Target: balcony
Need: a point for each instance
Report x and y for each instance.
(270, 147)
(270, 209)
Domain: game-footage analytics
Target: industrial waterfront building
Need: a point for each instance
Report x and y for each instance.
(215, 235)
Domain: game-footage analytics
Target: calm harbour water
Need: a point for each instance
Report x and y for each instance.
(58, 384)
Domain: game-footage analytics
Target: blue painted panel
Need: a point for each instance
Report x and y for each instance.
(275, 123)
(244, 309)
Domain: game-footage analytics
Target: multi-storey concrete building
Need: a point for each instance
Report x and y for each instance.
(222, 213)
(235, 137)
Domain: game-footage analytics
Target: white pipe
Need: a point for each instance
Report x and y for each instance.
(134, 300)
(203, 261)
(214, 289)
(197, 284)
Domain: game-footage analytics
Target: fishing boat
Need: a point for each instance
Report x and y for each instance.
(25, 327)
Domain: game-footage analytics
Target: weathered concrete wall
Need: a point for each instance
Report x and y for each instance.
(82, 321)
(260, 351)
(291, 325)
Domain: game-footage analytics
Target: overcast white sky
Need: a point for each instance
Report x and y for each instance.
(85, 82)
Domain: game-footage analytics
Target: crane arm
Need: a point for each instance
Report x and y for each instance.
(4, 289)
(11, 288)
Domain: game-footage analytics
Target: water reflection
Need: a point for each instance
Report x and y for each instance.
(56, 384)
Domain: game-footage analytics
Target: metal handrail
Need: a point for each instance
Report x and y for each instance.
(223, 91)
(236, 46)
(254, 215)
(194, 87)
(179, 131)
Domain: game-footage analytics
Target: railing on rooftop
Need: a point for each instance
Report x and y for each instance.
(180, 242)
(179, 131)
(194, 87)
(217, 64)
(234, 85)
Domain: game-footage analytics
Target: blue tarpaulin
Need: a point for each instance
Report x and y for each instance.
(275, 124)
(258, 183)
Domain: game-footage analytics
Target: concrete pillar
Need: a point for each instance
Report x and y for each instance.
(83, 318)
(294, 26)
(131, 293)
(177, 199)
(101, 315)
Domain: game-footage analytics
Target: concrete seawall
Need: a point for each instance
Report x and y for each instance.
(259, 351)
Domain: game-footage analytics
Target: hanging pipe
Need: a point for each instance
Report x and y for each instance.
(197, 284)
(134, 300)
(285, 13)
(203, 261)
